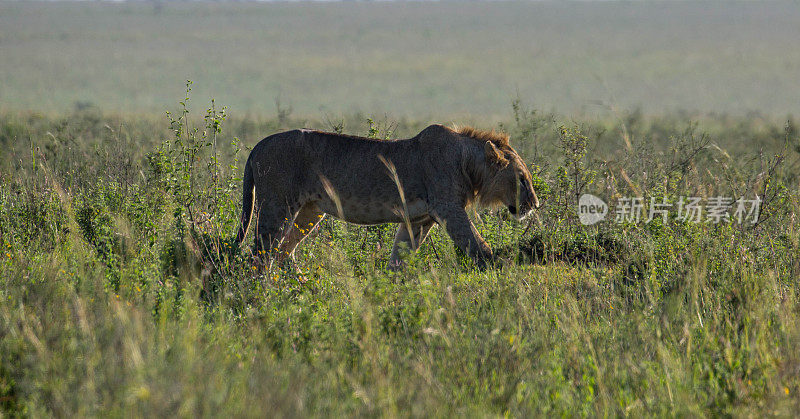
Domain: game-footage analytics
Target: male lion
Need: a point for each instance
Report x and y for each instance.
(301, 175)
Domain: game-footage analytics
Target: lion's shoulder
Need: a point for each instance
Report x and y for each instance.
(438, 131)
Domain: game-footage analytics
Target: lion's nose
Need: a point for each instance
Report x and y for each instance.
(535, 200)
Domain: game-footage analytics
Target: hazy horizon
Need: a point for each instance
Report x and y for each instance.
(405, 59)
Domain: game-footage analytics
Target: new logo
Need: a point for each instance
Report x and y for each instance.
(591, 209)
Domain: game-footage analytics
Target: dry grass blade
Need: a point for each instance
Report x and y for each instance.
(393, 172)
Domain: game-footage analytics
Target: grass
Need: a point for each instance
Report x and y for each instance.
(403, 59)
(120, 293)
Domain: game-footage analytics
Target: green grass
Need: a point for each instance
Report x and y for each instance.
(404, 59)
(113, 302)
(121, 295)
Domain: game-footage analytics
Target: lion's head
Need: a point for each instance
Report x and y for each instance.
(506, 179)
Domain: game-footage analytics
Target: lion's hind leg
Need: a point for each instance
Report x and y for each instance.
(304, 222)
(270, 229)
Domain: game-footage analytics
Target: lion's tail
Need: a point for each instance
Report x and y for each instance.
(247, 201)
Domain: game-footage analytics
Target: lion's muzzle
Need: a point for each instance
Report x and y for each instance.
(521, 213)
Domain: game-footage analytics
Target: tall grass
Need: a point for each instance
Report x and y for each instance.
(121, 296)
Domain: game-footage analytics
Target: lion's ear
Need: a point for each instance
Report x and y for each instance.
(494, 155)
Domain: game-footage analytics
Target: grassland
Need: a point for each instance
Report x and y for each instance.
(121, 294)
(405, 59)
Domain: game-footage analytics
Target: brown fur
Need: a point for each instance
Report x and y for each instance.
(500, 139)
(299, 176)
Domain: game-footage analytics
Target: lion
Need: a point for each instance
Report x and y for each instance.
(300, 176)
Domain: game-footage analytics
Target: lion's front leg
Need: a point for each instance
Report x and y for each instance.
(404, 243)
(465, 236)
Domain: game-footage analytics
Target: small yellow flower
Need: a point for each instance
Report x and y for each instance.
(786, 390)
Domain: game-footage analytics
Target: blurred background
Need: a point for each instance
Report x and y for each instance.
(404, 59)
